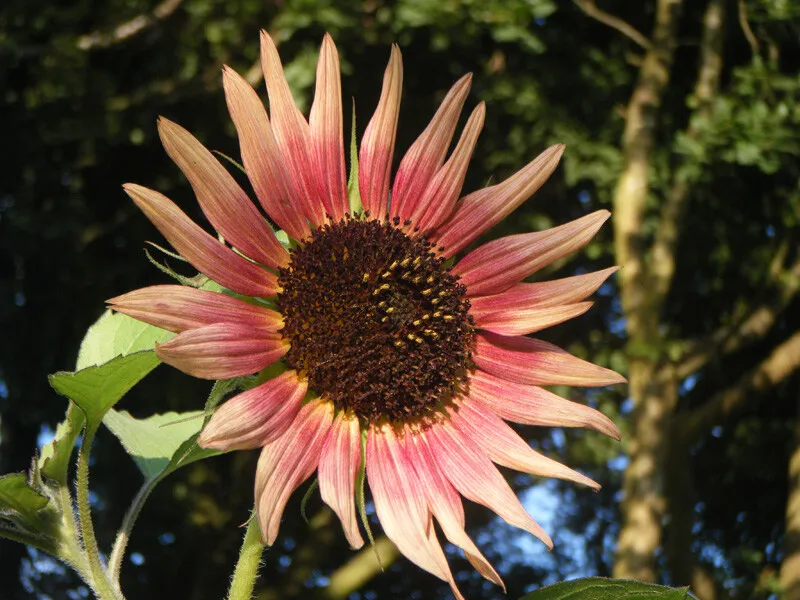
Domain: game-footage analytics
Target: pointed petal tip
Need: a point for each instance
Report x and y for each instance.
(227, 73)
(164, 124)
(603, 213)
(138, 193)
(328, 46)
(619, 378)
(207, 441)
(607, 427)
(553, 154)
(266, 37)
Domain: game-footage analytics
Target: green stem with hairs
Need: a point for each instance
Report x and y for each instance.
(246, 571)
(124, 534)
(99, 580)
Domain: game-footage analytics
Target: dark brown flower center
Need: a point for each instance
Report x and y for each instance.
(375, 320)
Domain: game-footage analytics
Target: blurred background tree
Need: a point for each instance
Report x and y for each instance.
(682, 117)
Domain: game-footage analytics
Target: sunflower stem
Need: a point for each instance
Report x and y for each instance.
(99, 580)
(71, 549)
(246, 571)
(124, 534)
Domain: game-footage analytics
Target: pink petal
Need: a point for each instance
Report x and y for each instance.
(471, 472)
(499, 264)
(401, 505)
(222, 200)
(505, 447)
(484, 208)
(291, 131)
(536, 406)
(542, 294)
(445, 504)
(426, 155)
(441, 195)
(534, 362)
(222, 350)
(327, 135)
(256, 417)
(206, 253)
(525, 321)
(287, 462)
(261, 156)
(338, 467)
(179, 307)
(377, 145)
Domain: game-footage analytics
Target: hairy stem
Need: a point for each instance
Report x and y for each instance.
(246, 571)
(71, 550)
(100, 583)
(124, 534)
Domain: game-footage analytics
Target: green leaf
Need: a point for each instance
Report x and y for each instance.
(56, 456)
(97, 389)
(115, 334)
(600, 588)
(353, 193)
(187, 453)
(21, 504)
(153, 442)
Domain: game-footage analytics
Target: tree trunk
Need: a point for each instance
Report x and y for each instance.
(790, 567)
(642, 505)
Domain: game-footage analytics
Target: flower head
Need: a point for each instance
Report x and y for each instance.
(397, 358)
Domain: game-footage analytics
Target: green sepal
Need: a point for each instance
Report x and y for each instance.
(284, 239)
(230, 160)
(169, 253)
(196, 281)
(361, 479)
(306, 497)
(353, 193)
(600, 588)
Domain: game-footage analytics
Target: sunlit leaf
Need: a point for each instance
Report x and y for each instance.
(115, 334)
(55, 457)
(97, 389)
(154, 442)
(22, 505)
(600, 588)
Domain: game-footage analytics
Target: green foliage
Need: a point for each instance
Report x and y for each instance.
(81, 122)
(23, 506)
(755, 123)
(158, 444)
(54, 458)
(116, 335)
(599, 588)
(116, 353)
(353, 192)
(95, 390)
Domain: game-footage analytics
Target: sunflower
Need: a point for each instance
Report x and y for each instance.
(396, 362)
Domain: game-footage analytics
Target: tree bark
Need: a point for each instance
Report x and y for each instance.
(642, 505)
(790, 567)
